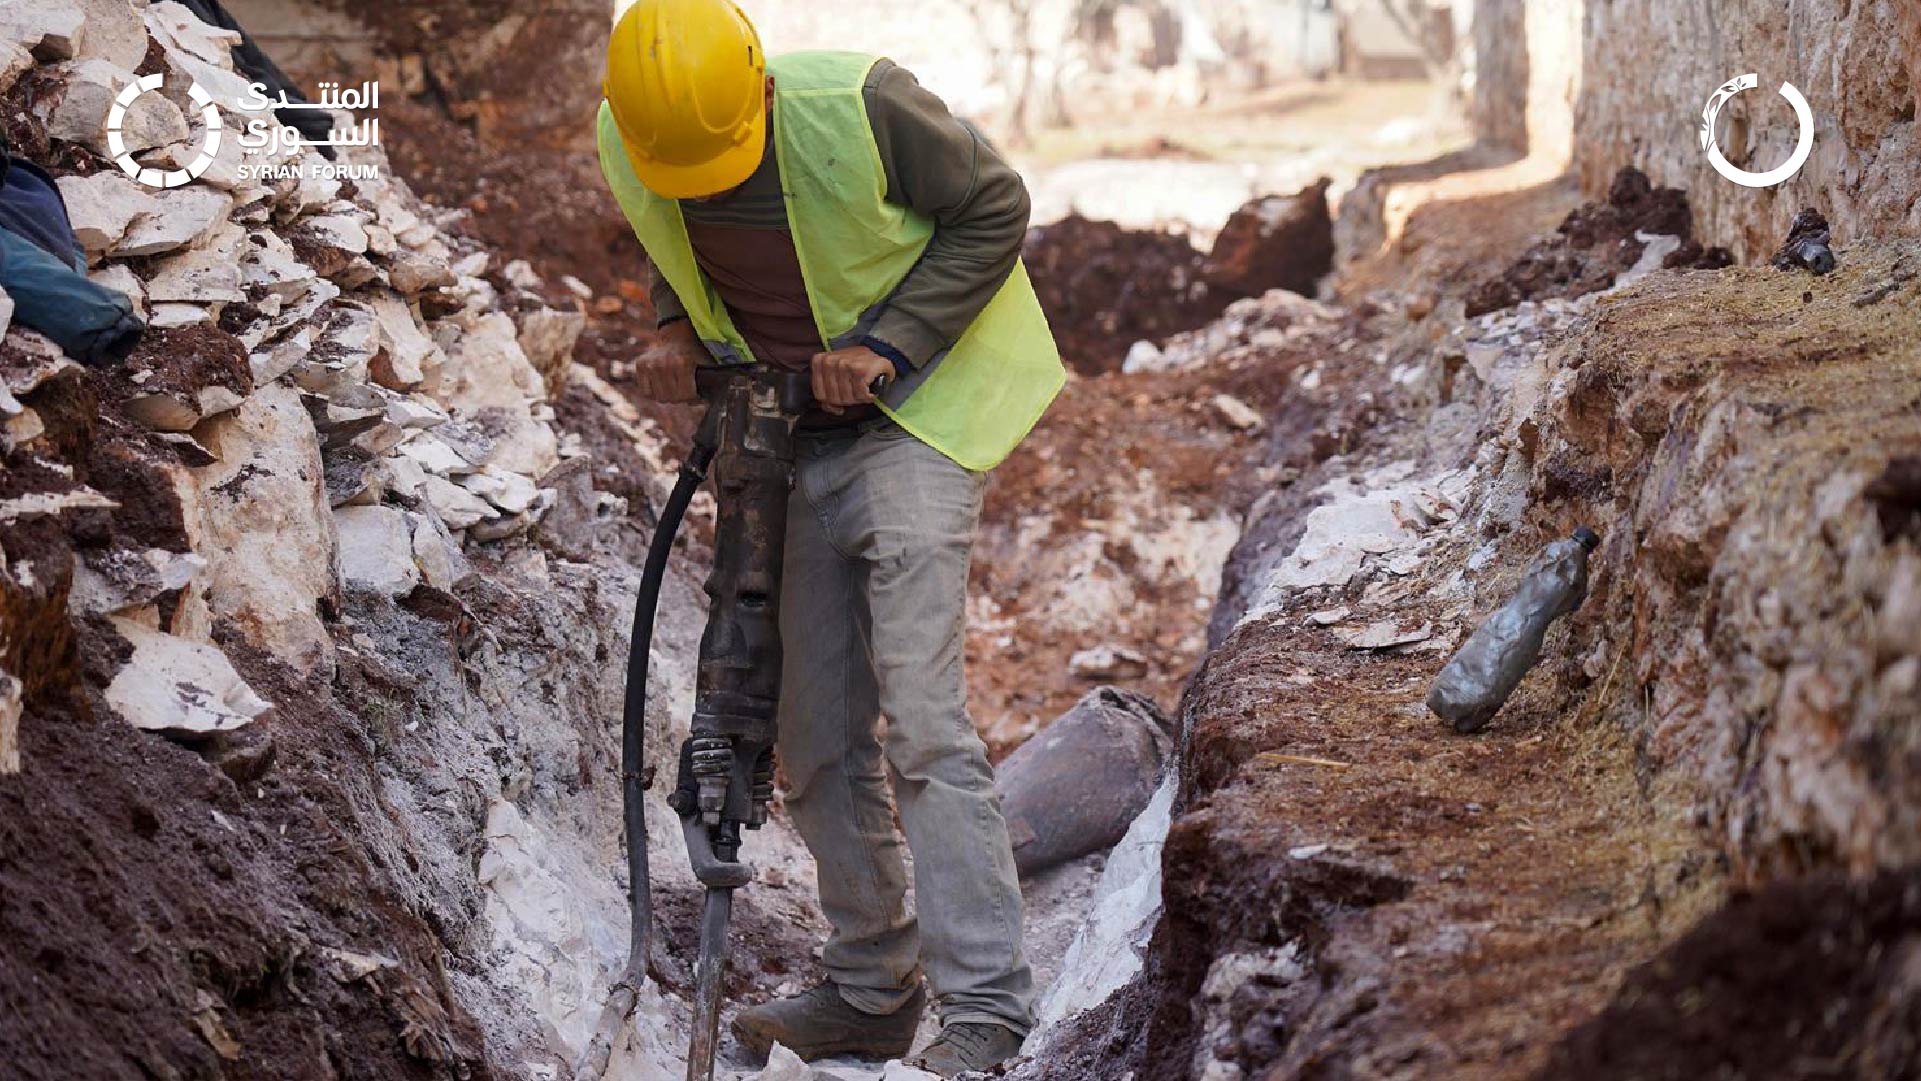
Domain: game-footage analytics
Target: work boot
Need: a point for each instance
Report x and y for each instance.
(818, 1022)
(968, 1046)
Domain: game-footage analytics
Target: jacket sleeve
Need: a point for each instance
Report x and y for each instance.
(94, 325)
(938, 165)
(667, 305)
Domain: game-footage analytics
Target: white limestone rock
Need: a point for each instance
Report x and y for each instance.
(376, 551)
(278, 318)
(457, 506)
(413, 413)
(435, 551)
(102, 207)
(33, 505)
(402, 475)
(520, 274)
(513, 493)
(177, 27)
(414, 272)
(163, 412)
(174, 685)
(1236, 413)
(281, 357)
(548, 336)
(268, 266)
(112, 580)
(266, 528)
(185, 217)
(434, 455)
(408, 356)
(1107, 663)
(76, 112)
(170, 314)
(48, 32)
(15, 61)
(489, 375)
(344, 349)
(111, 30)
(208, 273)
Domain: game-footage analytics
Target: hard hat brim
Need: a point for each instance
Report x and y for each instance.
(728, 171)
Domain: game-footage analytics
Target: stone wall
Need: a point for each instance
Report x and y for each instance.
(1653, 63)
(1624, 83)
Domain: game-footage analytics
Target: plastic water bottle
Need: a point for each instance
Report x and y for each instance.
(1477, 681)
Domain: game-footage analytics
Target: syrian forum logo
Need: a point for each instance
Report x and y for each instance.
(162, 178)
(1786, 170)
(272, 139)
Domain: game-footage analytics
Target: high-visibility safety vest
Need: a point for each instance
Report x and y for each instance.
(975, 401)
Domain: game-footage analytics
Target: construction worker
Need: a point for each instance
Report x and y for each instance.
(823, 211)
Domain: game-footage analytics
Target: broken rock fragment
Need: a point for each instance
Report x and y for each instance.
(111, 580)
(1107, 662)
(175, 686)
(376, 551)
(84, 90)
(266, 530)
(1808, 246)
(442, 564)
(1274, 242)
(457, 506)
(49, 32)
(183, 217)
(170, 412)
(102, 206)
(547, 336)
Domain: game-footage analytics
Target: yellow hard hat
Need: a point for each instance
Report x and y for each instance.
(686, 82)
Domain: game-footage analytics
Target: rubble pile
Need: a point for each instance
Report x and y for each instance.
(1640, 228)
(306, 612)
(325, 339)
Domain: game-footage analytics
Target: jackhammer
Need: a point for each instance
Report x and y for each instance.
(726, 769)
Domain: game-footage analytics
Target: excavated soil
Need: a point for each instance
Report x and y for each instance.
(159, 918)
(1596, 243)
(1799, 980)
(1105, 287)
(190, 927)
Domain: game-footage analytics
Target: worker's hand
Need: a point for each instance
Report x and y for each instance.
(665, 371)
(845, 377)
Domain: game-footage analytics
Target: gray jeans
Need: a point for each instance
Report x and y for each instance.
(873, 616)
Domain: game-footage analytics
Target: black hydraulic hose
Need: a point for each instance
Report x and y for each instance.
(633, 788)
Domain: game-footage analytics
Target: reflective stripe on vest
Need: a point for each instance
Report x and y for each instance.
(973, 403)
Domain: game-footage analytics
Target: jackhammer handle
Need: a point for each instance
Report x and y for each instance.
(794, 389)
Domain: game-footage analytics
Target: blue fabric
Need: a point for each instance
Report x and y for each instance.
(901, 365)
(96, 326)
(30, 206)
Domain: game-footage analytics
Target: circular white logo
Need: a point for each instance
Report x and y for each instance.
(1774, 176)
(162, 178)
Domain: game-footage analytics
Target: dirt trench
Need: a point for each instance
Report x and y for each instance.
(1352, 890)
(1349, 889)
